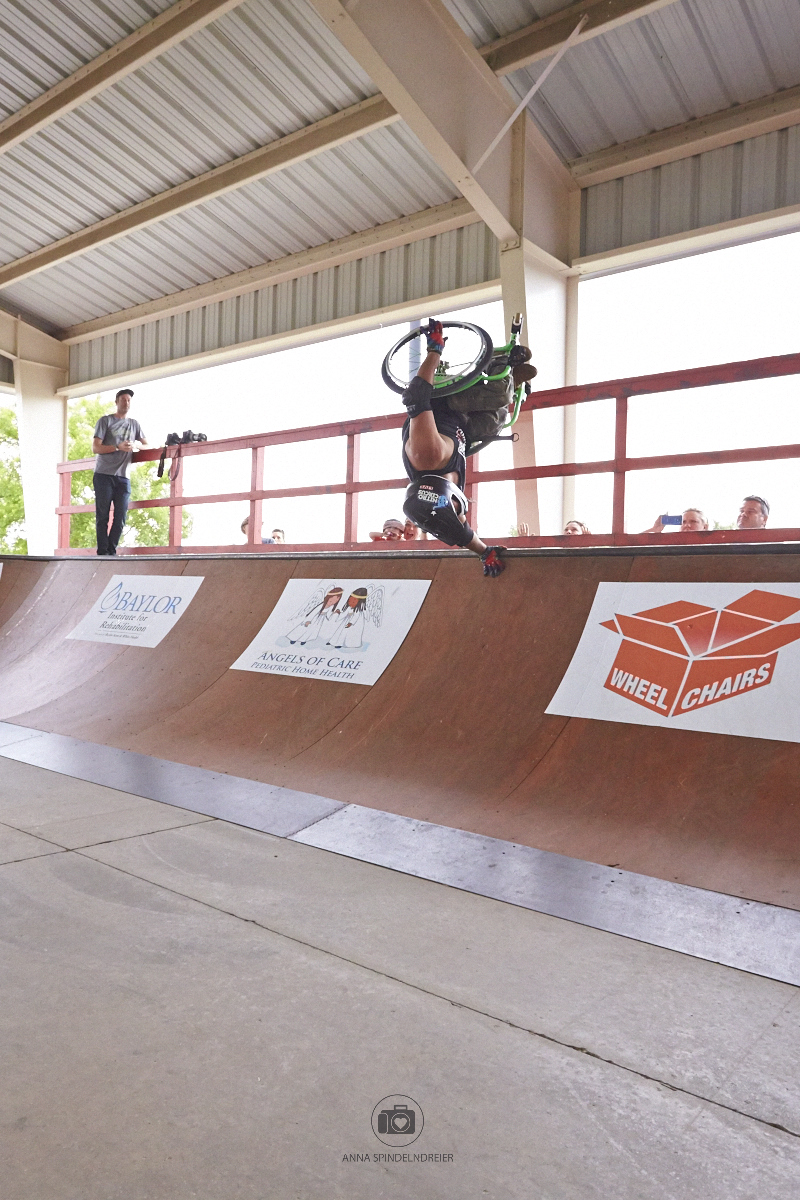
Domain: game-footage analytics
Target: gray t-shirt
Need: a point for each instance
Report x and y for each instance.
(111, 430)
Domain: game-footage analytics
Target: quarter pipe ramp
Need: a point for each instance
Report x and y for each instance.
(455, 730)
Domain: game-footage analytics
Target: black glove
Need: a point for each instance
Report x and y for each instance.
(436, 340)
(493, 564)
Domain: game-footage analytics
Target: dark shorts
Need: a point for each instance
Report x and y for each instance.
(448, 424)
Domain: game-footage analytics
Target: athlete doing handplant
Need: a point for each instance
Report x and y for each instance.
(435, 448)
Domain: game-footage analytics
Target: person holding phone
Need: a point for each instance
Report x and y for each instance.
(116, 437)
(691, 520)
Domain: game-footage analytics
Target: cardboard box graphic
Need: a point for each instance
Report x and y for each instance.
(683, 656)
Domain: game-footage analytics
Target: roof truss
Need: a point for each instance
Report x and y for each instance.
(766, 115)
(540, 39)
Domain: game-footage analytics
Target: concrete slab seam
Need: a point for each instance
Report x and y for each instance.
(416, 987)
(677, 917)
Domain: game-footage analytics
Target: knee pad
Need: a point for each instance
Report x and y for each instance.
(433, 503)
(417, 396)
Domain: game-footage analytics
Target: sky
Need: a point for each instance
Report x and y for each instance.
(722, 306)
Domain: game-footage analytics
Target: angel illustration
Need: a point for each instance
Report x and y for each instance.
(364, 604)
(315, 615)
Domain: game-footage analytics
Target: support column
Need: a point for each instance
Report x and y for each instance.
(534, 284)
(41, 366)
(571, 411)
(541, 296)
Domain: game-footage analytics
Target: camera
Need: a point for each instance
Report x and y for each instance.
(181, 439)
(177, 439)
(400, 1119)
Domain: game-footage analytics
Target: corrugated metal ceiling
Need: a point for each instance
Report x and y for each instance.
(685, 60)
(448, 261)
(384, 175)
(742, 180)
(271, 67)
(264, 70)
(42, 44)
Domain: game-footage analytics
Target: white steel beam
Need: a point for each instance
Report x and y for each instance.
(276, 156)
(162, 33)
(437, 81)
(453, 215)
(542, 38)
(724, 128)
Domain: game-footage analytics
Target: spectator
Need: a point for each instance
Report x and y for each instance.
(393, 531)
(576, 527)
(264, 541)
(279, 537)
(693, 520)
(412, 532)
(115, 439)
(753, 514)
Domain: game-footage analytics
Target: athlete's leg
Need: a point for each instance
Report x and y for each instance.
(427, 449)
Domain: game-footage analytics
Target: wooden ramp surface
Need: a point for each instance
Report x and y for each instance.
(454, 731)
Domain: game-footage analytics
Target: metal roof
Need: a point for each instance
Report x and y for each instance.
(384, 175)
(756, 176)
(685, 60)
(462, 259)
(42, 44)
(264, 70)
(271, 67)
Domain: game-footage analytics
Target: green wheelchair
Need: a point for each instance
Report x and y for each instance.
(484, 383)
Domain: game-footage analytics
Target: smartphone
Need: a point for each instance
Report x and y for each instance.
(666, 519)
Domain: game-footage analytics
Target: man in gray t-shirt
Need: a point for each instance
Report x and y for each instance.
(115, 440)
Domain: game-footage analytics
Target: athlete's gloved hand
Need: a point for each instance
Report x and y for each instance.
(436, 339)
(493, 564)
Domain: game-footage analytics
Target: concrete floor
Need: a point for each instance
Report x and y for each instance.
(194, 1009)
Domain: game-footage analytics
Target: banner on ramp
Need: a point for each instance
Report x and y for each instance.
(137, 610)
(347, 630)
(713, 657)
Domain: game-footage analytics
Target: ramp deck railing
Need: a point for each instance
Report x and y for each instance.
(619, 390)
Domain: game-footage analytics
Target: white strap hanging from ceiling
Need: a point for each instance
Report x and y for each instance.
(525, 100)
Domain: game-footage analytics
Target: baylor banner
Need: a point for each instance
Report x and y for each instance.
(138, 610)
(716, 657)
(347, 630)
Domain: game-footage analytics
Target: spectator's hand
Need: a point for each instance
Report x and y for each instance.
(656, 527)
(126, 446)
(523, 529)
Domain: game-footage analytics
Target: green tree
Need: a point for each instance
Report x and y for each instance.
(145, 526)
(12, 511)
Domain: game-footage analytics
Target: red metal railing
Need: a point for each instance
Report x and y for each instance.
(620, 465)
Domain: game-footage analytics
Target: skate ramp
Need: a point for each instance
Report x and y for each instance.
(454, 732)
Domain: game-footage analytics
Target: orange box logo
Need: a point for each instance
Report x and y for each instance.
(682, 656)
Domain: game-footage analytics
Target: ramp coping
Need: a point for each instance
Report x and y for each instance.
(748, 935)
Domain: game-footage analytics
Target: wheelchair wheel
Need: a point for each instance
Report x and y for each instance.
(466, 355)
